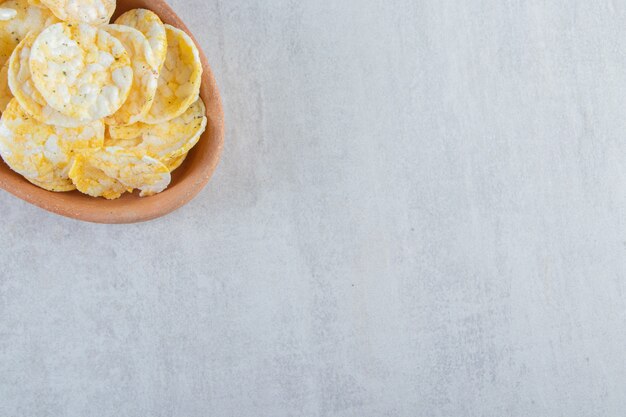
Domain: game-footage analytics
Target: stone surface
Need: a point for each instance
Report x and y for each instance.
(420, 212)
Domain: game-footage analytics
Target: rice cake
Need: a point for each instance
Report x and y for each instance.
(148, 23)
(43, 153)
(179, 80)
(24, 90)
(112, 170)
(28, 18)
(81, 71)
(145, 76)
(94, 12)
(166, 140)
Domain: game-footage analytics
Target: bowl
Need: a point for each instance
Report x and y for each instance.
(187, 181)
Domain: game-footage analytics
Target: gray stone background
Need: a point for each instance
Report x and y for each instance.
(420, 212)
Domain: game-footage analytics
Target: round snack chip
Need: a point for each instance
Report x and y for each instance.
(148, 23)
(7, 13)
(80, 70)
(24, 90)
(43, 153)
(145, 75)
(5, 91)
(93, 181)
(165, 141)
(27, 18)
(111, 171)
(94, 12)
(179, 81)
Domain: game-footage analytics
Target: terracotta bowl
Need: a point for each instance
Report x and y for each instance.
(187, 181)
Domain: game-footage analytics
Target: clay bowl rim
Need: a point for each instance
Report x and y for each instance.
(187, 181)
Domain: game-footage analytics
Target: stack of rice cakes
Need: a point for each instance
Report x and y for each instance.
(98, 107)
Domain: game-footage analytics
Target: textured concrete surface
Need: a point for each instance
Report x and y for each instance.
(420, 212)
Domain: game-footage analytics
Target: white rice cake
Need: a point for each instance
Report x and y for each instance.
(145, 76)
(43, 153)
(111, 171)
(179, 80)
(93, 181)
(94, 12)
(24, 90)
(28, 18)
(165, 141)
(148, 23)
(80, 70)
(5, 91)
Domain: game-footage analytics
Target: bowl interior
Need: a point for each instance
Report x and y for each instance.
(187, 181)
